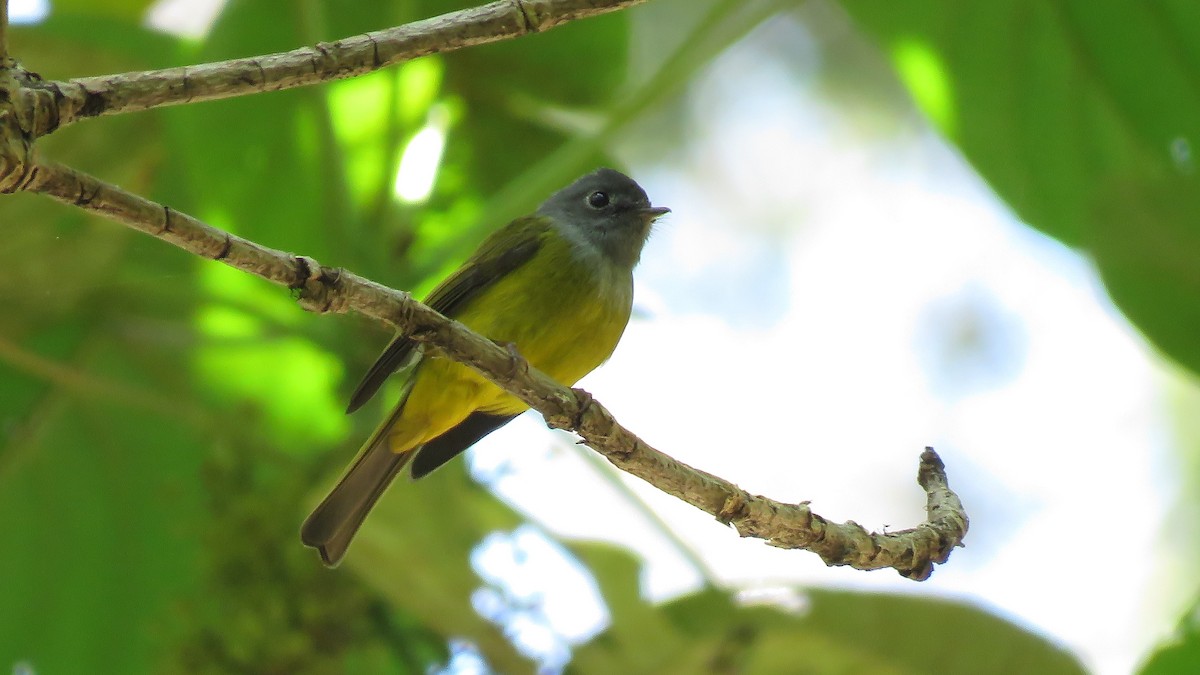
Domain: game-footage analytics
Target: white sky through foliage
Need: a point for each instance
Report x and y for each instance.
(27, 11)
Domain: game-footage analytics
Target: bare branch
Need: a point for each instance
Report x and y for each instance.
(913, 552)
(64, 103)
(16, 147)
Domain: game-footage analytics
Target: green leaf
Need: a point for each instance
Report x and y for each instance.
(98, 436)
(834, 632)
(246, 356)
(433, 526)
(582, 63)
(130, 10)
(70, 45)
(917, 634)
(1180, 654)
(1085, 142)
(94, 557)
(1147, 248)
(639, 639)
(62, 261)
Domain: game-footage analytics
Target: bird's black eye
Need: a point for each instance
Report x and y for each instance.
(598, 200)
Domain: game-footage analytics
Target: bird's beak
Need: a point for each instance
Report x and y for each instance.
(653, 213)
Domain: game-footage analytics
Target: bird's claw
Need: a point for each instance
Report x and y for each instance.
(517, 364)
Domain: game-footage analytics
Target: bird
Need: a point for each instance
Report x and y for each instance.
(556, 286)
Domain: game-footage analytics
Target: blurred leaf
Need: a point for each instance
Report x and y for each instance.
(639, 639)
(130, 10)
(434, 526)
(290, 378)
(93, 561)
(965, 639)
(836, 632)
(267, 167)
(1085, 143)
(55, 259)
(372, 115)
(267, 605)
(1181, 654)
(61, 260)
(96, 437)
(1147, 248)
(73, 44)
(547, 66)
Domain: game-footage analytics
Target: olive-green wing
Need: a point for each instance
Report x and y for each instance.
(460, 437)
(504, 251)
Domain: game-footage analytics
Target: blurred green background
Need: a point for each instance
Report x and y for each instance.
(165, 422)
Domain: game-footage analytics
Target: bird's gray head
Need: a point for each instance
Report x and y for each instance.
(605, 210)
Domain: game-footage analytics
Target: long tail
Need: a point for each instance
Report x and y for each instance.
(332, 525)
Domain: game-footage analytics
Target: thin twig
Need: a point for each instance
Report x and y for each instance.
(913, 552)
(69, 101)
(85, 386)
(71, 384)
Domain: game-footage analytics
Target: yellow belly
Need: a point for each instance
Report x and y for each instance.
(564, 322)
